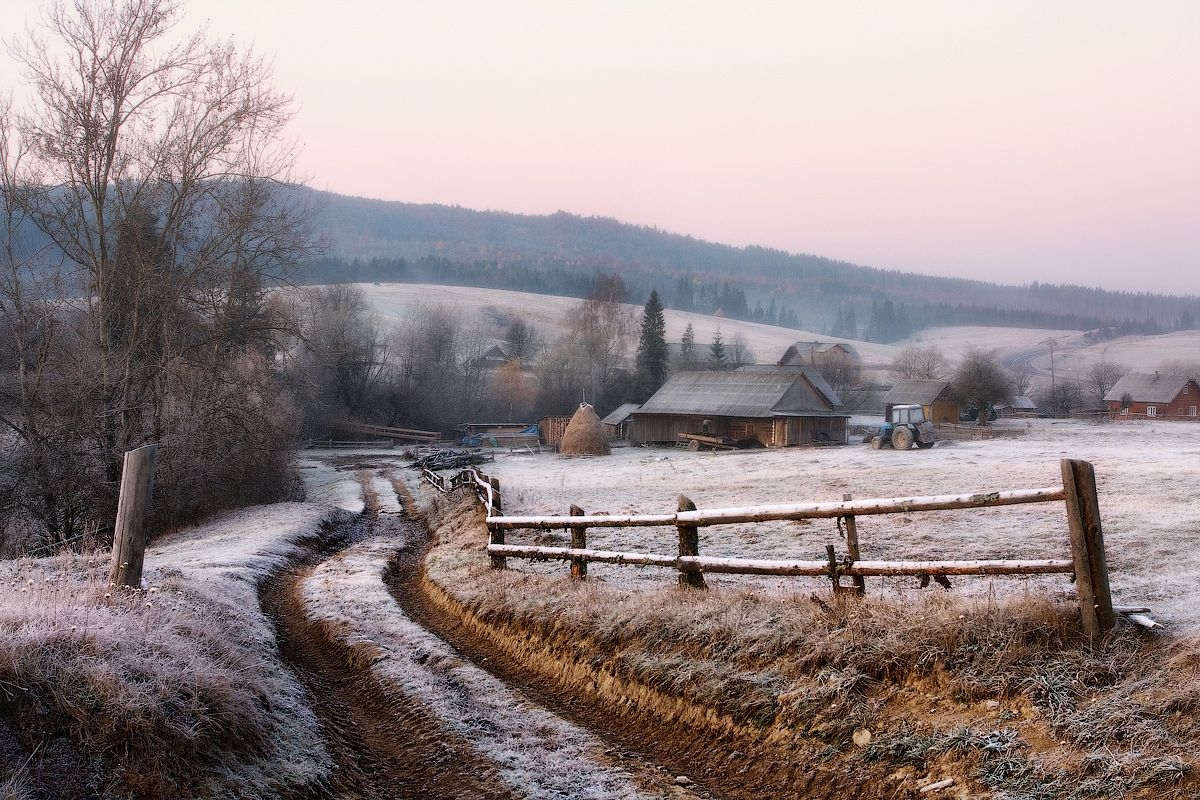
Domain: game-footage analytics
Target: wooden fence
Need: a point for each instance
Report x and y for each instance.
(1078, 493)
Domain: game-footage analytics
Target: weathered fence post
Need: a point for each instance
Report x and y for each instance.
(133, 512)
(1087, 548)
(689, 545)
(496, 505)
(495, 535)
(578, 542)
(860, 582)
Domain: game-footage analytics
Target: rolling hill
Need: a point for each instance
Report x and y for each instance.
(375, 240)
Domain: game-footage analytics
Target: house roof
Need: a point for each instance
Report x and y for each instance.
(1144, 388)
(1019, 402)
(916, 392)
(745, 393)
(620, 414)
(814, 349)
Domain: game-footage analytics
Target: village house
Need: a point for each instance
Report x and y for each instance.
(1141, 396)
(838, 361)
(770, 407)
(1017, 406)
(934, 396)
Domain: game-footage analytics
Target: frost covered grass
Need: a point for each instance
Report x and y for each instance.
(1146, 504)
(176, 690)
(993, 673)
(535, 752)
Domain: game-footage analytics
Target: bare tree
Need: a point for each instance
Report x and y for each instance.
(1101, 377)
(159, 177)
(920, 363)
(980, 382)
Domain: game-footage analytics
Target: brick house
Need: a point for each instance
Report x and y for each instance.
(1140, 396)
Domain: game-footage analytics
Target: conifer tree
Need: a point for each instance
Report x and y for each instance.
(652, 356)
(716, 351)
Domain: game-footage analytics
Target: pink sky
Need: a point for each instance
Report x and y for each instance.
(1013, 142)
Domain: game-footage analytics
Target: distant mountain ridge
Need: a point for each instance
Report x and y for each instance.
(560, 253)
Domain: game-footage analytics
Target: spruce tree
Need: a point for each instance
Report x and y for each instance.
(716, 351)
(652, 355)
(687, 347)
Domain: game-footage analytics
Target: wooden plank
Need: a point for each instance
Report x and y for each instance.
(133, 514)
(1087, 548)
(578, 542)
(689, 547)
(791, 511)
(746, 566)
(860, 583)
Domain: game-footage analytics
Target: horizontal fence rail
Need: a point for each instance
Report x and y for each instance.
(750, 566)
(793, 511)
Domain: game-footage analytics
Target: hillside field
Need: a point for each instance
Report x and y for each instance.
(495, 309)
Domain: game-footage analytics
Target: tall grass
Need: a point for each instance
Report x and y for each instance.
(1005, 684)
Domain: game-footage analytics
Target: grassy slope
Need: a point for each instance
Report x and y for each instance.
(173, 691)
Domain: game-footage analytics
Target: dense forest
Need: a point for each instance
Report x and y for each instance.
(374, 240)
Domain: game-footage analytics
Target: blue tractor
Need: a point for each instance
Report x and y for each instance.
(907, 426)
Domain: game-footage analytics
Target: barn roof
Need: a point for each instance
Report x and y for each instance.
(916, 392)
(801, 349)
(1147, 388)
(620, 414)
(749, 393)
(1019, 402)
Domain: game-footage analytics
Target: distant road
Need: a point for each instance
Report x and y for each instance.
(1023, 361)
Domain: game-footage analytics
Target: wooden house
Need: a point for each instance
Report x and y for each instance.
(778, 408)
(616, 424)
(935, 397)
(1017, 406)
(1140, 396)
(839, 362)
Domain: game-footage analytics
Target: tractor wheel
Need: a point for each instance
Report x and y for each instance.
(693, 445)
(902, 438)
(876, 442)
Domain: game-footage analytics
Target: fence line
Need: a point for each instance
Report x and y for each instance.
(1078, 492)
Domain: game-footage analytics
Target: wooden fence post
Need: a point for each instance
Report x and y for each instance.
(133, 512)
(860, 582)
(578, 542)
(496, 505)
(689, 545)
(1087, 548)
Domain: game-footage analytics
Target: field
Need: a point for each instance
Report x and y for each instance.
(494, 309)
(1146, 502)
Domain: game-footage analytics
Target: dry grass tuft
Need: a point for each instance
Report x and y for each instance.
(584, 435)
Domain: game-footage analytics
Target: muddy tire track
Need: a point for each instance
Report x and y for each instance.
(384, 745)
(722, 766)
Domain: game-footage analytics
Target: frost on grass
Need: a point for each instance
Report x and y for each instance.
(536, 752)
(1148, 510)
(176, 690)
(324, 483)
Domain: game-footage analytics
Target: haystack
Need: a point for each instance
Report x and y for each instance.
(584, 435)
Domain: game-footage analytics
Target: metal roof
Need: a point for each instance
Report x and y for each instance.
(1019, 402)
(1147, 388)
(620, 414)
(917, 392)
(750, 393)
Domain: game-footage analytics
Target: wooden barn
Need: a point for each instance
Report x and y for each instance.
(1139, 396)
(616, 424)
(1017, 406)
(778, 408)
(935, 396)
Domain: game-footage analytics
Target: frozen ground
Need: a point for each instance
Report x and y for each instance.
(1144, 472)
